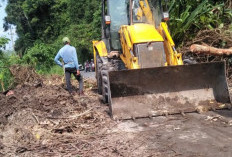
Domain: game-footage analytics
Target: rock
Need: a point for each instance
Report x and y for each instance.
(9, 93)
(63, 102)
(1, 145)
(202, 109)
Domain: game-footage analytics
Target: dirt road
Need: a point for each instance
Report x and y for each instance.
(88, 75)
(42, 119)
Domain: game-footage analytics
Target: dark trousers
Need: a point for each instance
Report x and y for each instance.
(68, 72)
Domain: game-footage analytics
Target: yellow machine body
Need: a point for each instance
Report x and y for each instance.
(154, 81)
(133, 34)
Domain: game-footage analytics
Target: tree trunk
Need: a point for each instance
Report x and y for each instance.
(205, 49)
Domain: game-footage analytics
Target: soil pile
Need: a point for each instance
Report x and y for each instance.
(24, 74)
(39, 117)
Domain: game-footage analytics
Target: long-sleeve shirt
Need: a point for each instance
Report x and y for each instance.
(69, 56)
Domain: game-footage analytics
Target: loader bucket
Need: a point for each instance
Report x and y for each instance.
(167, 90)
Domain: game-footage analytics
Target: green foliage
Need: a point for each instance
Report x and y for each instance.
(41, 24)
(193, 16)
(3, 42)
(6, 79)
(40, 56)
(53, 70)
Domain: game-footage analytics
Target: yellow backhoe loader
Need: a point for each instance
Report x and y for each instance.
(140, 73)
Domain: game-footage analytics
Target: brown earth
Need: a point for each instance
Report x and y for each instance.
(40, 118)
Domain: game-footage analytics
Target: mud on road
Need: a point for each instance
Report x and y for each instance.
(40, 118)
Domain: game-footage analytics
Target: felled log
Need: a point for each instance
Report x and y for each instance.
(205, 49)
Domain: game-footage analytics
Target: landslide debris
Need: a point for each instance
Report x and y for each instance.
(42, 119)
(39, 117)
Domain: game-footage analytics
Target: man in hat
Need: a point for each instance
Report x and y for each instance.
(69, 56)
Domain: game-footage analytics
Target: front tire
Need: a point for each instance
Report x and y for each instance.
(98, 74)
(105, 86)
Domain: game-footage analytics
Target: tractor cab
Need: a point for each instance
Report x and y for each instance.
(116, 13)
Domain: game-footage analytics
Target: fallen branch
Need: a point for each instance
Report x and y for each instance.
(34, 116)
(73, 116)
(205, 49)
(82, 114)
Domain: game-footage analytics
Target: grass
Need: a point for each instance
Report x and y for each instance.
(53, 70)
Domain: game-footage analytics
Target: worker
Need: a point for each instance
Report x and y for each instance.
(87, 66)
(71, 66)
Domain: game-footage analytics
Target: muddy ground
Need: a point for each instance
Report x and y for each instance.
(40, 118)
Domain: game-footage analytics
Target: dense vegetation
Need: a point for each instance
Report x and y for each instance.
(188, 17)
(3, 42)
(41, 24)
